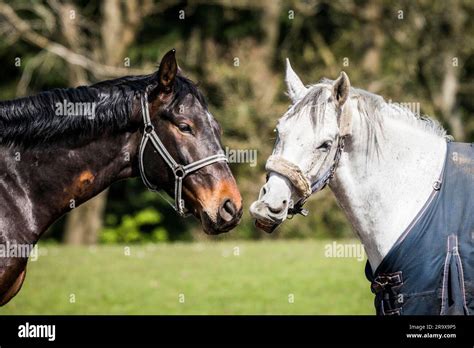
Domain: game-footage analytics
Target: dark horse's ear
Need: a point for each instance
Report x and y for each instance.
(167, 72)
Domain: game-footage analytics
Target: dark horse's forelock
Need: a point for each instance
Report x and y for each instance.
(32, 121)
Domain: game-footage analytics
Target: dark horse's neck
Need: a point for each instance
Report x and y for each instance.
(50, 165)
(40, 185)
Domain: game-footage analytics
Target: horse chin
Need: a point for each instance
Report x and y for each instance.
(210, 227)
(266, 226)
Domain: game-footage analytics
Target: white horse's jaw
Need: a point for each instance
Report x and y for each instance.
(271, 209)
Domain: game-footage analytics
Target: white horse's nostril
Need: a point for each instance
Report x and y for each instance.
(277, 210)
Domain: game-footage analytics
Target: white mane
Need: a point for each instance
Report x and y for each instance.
(375, 107)
(397, 111)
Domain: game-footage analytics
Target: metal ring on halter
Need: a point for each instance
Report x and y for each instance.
(149, 128)
(179, 171)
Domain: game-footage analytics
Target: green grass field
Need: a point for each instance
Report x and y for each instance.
(262, 279)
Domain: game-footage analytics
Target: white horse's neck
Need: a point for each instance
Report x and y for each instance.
(382, 195)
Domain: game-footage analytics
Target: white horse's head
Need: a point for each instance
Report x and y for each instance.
(306, 149)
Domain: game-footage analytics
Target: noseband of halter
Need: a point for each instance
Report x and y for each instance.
(290, 171)
(180, 171)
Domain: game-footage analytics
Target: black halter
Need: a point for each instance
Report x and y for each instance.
(322, 182)
(180, 171)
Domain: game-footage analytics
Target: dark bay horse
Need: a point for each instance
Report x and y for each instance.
(53, 158)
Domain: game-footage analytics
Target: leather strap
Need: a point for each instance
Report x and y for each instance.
(290, 171)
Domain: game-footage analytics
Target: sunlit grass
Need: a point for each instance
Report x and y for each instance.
(233, 277)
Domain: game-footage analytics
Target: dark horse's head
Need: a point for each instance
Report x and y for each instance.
(91, 144)
(189, 132)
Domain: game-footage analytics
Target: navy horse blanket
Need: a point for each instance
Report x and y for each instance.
(430, 269)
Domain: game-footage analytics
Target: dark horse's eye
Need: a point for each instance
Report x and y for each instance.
(185, 128)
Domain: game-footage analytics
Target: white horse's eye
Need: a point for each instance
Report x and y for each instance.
(325, 146)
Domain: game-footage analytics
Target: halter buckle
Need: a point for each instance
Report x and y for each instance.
(181, 210)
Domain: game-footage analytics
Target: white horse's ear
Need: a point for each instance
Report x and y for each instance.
(341, 89)
(296, 89)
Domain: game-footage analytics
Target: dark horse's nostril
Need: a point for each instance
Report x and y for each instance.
(227, 210)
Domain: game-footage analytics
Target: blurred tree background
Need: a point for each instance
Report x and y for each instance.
(407, 51)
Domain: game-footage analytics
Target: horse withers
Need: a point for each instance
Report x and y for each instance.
(62, 147)
(406, 189)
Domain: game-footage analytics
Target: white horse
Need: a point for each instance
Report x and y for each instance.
(382, 161)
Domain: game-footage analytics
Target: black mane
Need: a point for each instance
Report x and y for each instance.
(33, 120)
